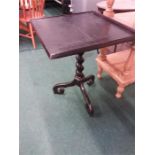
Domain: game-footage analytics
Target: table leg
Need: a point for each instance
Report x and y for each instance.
(78, 80)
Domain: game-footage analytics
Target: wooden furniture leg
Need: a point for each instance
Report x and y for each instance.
(102, 56)
(99, 72)
(32, 35)
(109, 9)
(120, 90)
(23, 26)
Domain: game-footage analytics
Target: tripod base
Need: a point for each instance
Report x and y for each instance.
(79, 81)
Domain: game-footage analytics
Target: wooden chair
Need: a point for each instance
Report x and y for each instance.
(29, 9)
(120, 65)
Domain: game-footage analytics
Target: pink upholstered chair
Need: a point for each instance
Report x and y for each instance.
(29, 9)
(120, 65)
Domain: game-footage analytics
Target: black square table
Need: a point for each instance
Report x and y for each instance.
(76, 34)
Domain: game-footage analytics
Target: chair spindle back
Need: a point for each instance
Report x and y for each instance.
(31, 8)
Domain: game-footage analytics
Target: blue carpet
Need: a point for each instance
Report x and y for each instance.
(59, 124)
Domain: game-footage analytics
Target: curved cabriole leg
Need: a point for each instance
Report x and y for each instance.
(89, 79)
(59, 88)
(88, 105)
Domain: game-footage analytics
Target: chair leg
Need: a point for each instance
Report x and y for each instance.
(32, 35)
(115, 48)
(23, 26)
(99, 71)
(120, 90)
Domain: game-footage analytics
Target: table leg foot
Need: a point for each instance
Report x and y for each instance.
(59, 88)
(88, 105)
(89, 79)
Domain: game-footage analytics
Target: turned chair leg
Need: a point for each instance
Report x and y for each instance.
(32, 35)
(120, 90)
(99, 71)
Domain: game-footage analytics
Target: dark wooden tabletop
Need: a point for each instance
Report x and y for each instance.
(71, 34)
